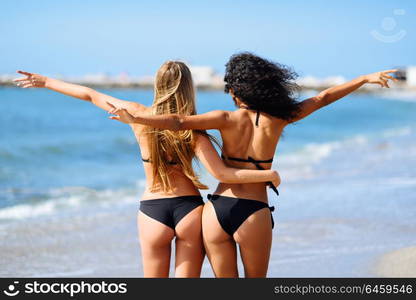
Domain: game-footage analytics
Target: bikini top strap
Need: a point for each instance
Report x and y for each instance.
(147, 160)
(257, 118)
(257, 162)
(250, 159)
(234, 158)
(257, 115)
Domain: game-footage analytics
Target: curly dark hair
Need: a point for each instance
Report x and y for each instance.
(262, 85)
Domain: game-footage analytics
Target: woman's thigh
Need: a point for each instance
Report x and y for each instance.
(220, 247)
(155, 243)
(254, 238)
(190, 251)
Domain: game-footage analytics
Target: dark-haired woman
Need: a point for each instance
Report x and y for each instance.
(263, 92)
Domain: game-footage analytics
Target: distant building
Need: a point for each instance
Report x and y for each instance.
(202, 75)
(411, 76)
(205, 76)
(319, 83)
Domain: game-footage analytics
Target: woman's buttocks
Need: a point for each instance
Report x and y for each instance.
(254, 191)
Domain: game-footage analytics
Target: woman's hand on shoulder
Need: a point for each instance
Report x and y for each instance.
(120, 114)
(124, 114)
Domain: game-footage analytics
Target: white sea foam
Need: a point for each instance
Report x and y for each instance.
(299, 164)
(69, 198)
(23, 211)
(402, 131)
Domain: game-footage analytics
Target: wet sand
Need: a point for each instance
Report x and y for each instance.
(398, 263)
(88, 245)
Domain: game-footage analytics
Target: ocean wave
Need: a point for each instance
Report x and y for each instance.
(60, 199)
(44, 149)
(299, 164)
(24, 211)
(401, 131)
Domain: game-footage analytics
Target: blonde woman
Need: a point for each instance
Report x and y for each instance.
(263, 93)
(171, 205)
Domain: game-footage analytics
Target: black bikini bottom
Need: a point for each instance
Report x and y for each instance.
(170, 211)
(232, 212)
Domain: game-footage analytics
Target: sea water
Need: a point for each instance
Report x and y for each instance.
(71, 179)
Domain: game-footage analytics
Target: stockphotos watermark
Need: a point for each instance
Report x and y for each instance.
(389, 33)
(70, 289)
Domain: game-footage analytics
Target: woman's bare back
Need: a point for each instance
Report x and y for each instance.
(242, 139)
(182, 185)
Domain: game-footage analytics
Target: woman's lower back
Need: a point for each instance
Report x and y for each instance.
(253, 191)
(181, 186)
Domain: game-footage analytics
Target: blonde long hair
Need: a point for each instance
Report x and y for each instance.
(174, 94)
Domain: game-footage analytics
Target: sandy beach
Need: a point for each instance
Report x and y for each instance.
(398, 263)
(100, 244)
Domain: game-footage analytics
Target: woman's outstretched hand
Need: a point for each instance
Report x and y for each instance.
(120, 114)
(382, 78)
(30, 80)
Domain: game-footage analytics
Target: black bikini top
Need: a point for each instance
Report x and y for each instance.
(149, 161)
(257, 164)
(252, 160)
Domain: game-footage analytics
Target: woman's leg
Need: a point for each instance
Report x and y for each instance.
(190, 251)
(155, 242)
(254, 237)
(220, 247)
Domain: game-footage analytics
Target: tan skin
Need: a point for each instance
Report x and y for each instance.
(155, 237)
(242, 139)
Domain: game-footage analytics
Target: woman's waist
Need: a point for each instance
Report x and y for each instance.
(253, 191)
(149, 195)
(179, 187)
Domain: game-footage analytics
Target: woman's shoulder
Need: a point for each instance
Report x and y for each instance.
(135, 107)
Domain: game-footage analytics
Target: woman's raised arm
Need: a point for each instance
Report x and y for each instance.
(335, 93)
(216, 119)
(32, 80)
(209, 157)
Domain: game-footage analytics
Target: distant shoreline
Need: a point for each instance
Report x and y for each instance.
(138, 86)
(203, 87)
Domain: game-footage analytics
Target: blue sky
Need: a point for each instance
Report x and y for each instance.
(315, 37)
